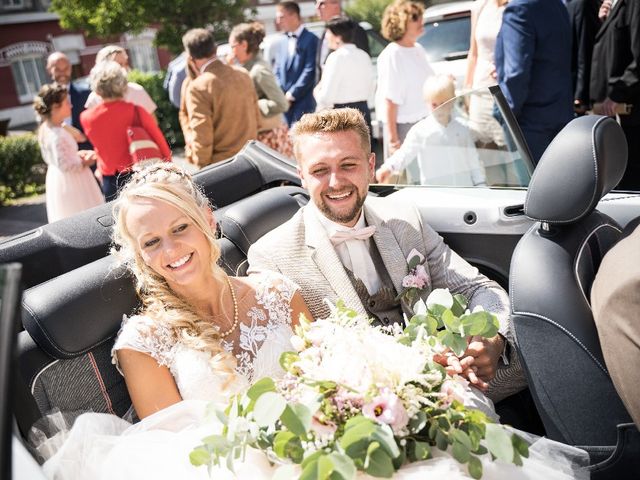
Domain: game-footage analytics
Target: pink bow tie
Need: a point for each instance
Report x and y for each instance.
(354, 234)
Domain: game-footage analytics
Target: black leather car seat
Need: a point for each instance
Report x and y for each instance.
(552, 270)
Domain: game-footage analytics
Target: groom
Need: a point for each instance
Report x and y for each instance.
(343, 245)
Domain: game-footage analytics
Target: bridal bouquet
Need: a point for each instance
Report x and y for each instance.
(358, 398)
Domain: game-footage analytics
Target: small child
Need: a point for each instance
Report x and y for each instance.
(441, 143)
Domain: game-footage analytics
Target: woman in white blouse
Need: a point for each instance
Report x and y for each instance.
(348, 75)
(402, 70)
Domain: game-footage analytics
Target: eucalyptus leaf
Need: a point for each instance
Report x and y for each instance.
(422, 450)
(199, 456)
(288, 445)
(458, 344)
(325, 467)
(460, 452)
(261, 386)
(432, 325)
(418, 422)
(269, 406)
(441, 440)
(499, 442)
(414, 262)
(378, 463)
(311, 458)
(520, 445)
(475, 467)
(461, 437)
(474, 324)
(343, 466)
(451, 322)
(460, 301)
(420, 308)
(287, 359)
(384, 435)
(297, 418)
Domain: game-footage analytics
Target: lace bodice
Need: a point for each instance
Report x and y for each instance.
(58, 148)
(265, 333)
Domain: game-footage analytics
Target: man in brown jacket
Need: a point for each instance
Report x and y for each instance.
(615, 300)
(220, 106)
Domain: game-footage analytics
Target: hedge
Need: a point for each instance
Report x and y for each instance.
(21, 167)
(166, 113)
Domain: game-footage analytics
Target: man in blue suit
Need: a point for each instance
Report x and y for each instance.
(533, 63)
(59, 68)
(296, 65)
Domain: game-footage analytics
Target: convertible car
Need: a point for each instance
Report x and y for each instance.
(541, 234)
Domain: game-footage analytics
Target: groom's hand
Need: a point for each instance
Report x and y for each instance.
(486, 353)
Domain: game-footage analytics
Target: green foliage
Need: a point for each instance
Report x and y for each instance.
(21, 167)
(166, 113)
(451, 326)
(367, 11)
(104, 18)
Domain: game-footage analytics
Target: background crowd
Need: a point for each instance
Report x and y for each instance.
(552, 59)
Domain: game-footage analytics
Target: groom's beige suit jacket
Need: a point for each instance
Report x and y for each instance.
(301, 250)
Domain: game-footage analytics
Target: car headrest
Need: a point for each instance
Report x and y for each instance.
(71, 314)
(246, 221)
(584, 162)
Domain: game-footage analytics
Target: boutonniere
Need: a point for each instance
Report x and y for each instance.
(417, 280)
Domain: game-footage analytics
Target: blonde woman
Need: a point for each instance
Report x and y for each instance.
(200, 336)
(135, 93)
(245, 40)
(70, 185)
(486, 20)
(402, 70)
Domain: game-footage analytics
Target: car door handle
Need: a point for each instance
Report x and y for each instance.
(514, 210)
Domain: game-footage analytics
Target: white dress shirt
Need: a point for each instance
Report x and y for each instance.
(355, 255)
(293, 42)
(348, 76)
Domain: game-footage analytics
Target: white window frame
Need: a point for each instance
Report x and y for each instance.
(12, 4)
(20, 69)
(143, 54)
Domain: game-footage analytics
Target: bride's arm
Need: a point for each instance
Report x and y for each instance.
(299, 307)
(151, 386)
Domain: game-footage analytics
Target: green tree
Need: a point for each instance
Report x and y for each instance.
(367, 11)
(104, 18)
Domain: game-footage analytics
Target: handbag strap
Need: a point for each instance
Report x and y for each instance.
(136, 116)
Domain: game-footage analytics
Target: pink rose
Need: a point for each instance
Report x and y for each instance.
(387, 408)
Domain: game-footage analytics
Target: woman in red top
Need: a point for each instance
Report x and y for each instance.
(106, 126)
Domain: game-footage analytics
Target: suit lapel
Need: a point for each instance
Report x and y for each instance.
(326, 259)
(389, 248)
(610, 18)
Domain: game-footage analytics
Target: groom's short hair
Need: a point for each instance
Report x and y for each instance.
(331, 121)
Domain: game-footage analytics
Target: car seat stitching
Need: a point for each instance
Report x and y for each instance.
(571, 335)
(580, 251)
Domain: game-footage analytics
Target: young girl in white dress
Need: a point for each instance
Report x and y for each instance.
(200, 337)
(70, 184)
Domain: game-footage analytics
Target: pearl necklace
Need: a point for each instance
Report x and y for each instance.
(235, 311)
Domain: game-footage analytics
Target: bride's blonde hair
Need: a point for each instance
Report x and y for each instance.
(166, 182)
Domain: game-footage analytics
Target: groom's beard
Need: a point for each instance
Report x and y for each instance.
(343, 217)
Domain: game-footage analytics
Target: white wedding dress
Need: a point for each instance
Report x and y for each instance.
(103, 446)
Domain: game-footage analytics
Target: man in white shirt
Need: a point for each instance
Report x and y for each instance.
(343, 245)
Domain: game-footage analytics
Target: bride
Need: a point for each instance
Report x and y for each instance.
(200, 337)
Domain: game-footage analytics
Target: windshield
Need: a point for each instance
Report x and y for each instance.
(446, 39)
(468, 141)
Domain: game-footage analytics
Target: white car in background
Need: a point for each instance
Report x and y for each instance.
(447, 29)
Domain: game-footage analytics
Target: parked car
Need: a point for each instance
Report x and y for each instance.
(75, 294)
(447, 30)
